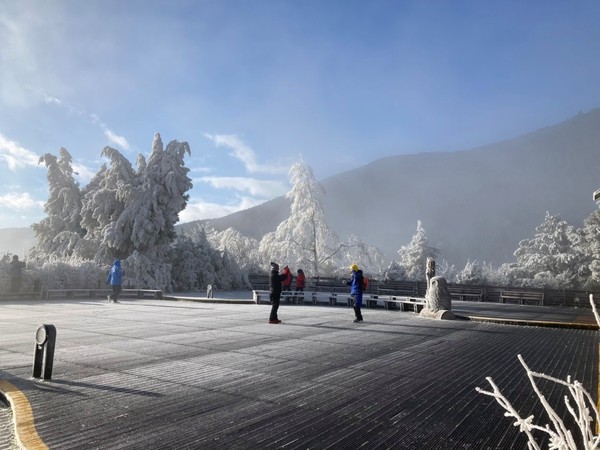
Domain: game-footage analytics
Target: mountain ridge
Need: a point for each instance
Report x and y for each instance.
(475, 204)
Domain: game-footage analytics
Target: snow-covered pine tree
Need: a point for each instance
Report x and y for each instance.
(104, 201)
(304, 239)
(153, 210)
(588, 248)
(59, 232)
(413, 257)
(551, 257)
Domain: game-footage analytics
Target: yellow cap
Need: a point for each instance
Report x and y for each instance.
(354, 267)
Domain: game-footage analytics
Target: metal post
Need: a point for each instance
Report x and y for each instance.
(43, 357)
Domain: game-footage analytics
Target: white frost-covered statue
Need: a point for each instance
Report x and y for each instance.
(438, 303)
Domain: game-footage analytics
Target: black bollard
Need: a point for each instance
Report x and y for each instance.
(43, 357)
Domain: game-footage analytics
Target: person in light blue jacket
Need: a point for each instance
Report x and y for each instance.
(115, 279)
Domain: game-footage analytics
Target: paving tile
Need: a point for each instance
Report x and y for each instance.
(160, 374)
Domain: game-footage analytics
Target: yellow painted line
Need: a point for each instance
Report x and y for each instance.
(25, 431)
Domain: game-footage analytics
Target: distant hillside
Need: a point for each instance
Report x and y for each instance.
(16, 241)
(474, 204)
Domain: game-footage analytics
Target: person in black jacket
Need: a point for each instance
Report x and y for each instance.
(275, 279)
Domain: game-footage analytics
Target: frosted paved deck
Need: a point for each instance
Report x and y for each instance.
(163, 374)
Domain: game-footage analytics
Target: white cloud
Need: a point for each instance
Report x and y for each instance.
(49, 99)
(262, 188)
(83, 173)
(15, 156)
(245, 154)
(20, 202)
(113, 138)
(198, 210)
(116, 139)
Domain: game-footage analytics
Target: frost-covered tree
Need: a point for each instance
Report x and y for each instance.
(471, 274)
(551, 258)
(59, 232)
(152, 210)
(242, 249)
(104, 200)
(196, 264)
(589, 248)
(355, 250)
(122, 213)
(304, 239)
(446, 270)
(413, 257)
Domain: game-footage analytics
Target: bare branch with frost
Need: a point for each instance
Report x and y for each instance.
(584, 411)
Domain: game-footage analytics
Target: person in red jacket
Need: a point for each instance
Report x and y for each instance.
(286, 284)
(300, 279)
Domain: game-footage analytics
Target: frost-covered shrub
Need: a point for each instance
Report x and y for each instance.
(471, 274)
(146, 271)
(446, 270)
(394, 272)
(75, 274)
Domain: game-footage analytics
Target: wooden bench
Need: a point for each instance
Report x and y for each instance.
(465, 294)
(92, 293)
(372, 301)
(397, 288)
(314, 298)
(522, 297)
(415, 304)
(304, 297)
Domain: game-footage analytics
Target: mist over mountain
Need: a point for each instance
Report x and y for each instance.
(474, 204)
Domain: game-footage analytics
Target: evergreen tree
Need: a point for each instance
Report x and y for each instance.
(57, 234)
(413, 257)
(104, 200)
(152, 210)
(551, 257)
(589, 249)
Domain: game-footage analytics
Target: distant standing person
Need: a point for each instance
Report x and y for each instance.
(275, 279)
(286, 284)
(300, 280)
(16, 275)
(115, 279)
(356, 283)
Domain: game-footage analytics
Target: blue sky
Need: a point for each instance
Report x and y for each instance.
(252, 85)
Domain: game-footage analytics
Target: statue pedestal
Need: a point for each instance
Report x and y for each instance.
(441, 314)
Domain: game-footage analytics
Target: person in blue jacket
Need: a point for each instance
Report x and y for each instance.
(115, 279)
(356, 283)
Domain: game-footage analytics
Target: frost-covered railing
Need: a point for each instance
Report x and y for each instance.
(92, 293)
(320, 297)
